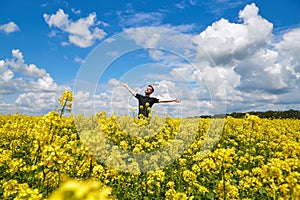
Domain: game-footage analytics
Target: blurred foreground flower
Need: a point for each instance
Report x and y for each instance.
(82, 190)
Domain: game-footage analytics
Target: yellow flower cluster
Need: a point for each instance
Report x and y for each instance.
(38, 153)
(122, 157)
(66, 99)
(20, 191)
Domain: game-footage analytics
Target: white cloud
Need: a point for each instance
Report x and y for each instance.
(159, 39)
(140, 19)
(26, 88)
(79, 60)
(36, 102)
(184, 4)
(181, 5)
(7, 76)
(88, 103)
(183, 28)
(114, 82)
(60, 19)
(26, 73)
(83, 32)
(255, 70)
(144, 37)
(44, 83)
(131, 19)
(289, 51)
(9, 28)
(18, 65)
(9, 84)
(218, 7)
(226, 42)
(262, 72)
(77, 12)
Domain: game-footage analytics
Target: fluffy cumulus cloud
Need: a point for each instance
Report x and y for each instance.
(289, 51)
(9, 28)
(18, 65)
(227, 42)
(256, 70)
(84, 103)
(83, 32)
(26, 88)
(262, 72)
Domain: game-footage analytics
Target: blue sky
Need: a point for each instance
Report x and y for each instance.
(243, 55)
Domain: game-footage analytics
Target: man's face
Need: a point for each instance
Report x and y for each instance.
(148, 90)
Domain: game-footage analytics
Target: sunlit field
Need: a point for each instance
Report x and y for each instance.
(57, 157)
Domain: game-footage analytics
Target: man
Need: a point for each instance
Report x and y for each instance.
(145, 101)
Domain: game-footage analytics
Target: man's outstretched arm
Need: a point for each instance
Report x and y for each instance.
(129, 89)
(169, 100)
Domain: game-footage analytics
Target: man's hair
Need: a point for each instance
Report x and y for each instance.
(151, 88)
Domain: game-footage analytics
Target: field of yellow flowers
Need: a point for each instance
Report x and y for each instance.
(113, 157)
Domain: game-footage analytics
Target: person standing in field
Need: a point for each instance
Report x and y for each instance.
(145, 101)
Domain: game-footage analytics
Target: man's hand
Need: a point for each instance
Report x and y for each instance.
(177, 100)
(128, 88)
(123, 84)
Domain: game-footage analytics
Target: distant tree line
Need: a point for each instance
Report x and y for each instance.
(288, 114)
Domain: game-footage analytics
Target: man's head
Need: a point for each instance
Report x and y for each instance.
(149, 90)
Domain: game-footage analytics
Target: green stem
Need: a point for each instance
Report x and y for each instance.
(63, 108)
